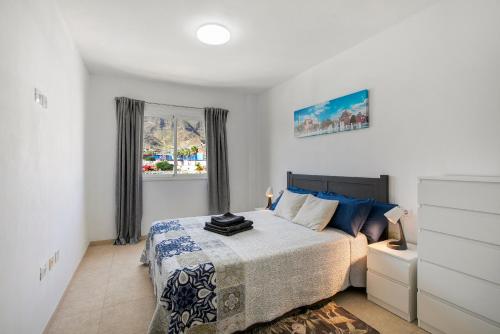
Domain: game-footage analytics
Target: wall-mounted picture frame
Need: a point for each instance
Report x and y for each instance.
(346, 113)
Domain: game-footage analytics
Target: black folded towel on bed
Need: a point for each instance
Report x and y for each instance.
(235, 227)
(227, 233)
(229, 230)
(227, 219)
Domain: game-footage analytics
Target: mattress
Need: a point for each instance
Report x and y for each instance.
(256, 276)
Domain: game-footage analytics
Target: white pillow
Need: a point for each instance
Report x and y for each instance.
(289, 204)
(316, 213)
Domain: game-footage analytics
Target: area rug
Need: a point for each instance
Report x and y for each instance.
(324, 318)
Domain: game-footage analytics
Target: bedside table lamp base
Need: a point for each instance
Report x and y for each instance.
(269, 195)
(269, 203)
(398, 244)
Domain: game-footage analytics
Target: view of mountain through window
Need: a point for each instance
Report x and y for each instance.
(174, 145)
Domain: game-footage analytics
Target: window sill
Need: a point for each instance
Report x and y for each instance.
(153, 178)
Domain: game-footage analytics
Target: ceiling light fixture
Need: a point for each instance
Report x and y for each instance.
(213, 34)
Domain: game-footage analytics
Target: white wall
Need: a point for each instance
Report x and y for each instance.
(434, 104)
(162, 199)
(41, 162)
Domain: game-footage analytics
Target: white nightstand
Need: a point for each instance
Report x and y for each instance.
(392, 279)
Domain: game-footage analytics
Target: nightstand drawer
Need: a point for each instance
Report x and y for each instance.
(389, 266)
(390, 292)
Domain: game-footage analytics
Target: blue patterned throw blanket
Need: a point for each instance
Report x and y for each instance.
(198, 280)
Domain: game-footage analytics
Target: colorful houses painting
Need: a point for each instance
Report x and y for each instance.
(346, 113)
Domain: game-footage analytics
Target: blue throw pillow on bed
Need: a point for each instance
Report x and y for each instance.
(376, 223)
(273, 205)
(351, 213)
(296, 190)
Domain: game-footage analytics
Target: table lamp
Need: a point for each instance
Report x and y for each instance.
(394, 217)
(269, 195)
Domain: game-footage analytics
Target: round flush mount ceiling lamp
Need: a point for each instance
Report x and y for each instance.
(213, 34)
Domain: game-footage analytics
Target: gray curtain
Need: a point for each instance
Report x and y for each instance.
(217, 166)
(130, 120)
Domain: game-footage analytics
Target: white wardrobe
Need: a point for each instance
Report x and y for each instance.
(459, 254)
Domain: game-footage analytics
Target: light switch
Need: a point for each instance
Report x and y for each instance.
(43, 271)
(40, 99)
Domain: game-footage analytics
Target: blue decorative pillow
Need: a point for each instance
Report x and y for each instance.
(273, 205)
(298, 190)
(376, 223)
(293, 189)
(351, 213)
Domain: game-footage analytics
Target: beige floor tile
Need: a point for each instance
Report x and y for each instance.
(127, 318)
(96, 262)
(100, 250)
(133, 272)
(90, 279)
(76, 301)
(418, 330)
(82, 323)
(127, 288)
(128, 254)
(355, 301)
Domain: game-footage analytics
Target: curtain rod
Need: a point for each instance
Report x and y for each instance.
(174, 105)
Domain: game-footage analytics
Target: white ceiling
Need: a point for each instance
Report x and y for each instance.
(271, 40)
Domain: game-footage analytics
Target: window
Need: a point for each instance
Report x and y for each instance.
(174, 142)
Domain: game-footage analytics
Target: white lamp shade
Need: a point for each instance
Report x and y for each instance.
(394, 214)
(269, 192)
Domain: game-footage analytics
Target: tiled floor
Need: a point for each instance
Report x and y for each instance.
(111, 293)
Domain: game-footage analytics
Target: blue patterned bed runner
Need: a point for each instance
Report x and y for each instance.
(185, 275)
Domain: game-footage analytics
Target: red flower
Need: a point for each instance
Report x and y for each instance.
(148, 168)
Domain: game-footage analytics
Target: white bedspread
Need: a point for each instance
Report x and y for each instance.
(282, 266)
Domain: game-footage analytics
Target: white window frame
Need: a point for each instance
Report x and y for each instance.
(175, 113)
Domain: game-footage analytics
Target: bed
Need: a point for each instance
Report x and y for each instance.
(209, 283)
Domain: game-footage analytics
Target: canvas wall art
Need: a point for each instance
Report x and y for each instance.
(346, 113)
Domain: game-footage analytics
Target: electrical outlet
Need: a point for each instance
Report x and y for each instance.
(57, 256)
(52, 262)
(43, 271)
